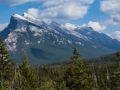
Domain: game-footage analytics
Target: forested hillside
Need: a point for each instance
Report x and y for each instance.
(75, 75)
(103, 59)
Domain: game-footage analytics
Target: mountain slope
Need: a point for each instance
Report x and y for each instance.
(49, 43)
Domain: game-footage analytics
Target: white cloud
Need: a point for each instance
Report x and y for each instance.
(63, 10)
(15, 2)
(2, 26)
(33, 12)
(115, 35)
(111, 7)
(51, 3)
(96, 26)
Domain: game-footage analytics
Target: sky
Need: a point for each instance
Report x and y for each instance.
(102, 15)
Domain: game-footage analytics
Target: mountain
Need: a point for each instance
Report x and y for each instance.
(45, 43)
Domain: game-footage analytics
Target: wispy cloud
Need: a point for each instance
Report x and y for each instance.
(115, 35)
(111, 7)
(17, 2)
(63, 10)
(2, 26)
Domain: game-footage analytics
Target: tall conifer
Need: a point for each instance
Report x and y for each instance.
(29, 77)
(6, 65)
(115, 77)
(77, 74)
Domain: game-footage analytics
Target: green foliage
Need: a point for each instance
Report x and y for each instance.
(6, 67)
(17, 81)
(77, 75)
(117, 60)
(60, 83)
(76, 53)
(48, 85)
(115, 73)
(29, 78)
(110, 58)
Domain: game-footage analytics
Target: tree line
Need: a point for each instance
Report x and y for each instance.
(75, 75)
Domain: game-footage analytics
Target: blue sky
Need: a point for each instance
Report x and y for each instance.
(102, 15)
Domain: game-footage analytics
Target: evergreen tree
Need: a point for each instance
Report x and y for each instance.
(48, 85)
(17, 81)
(76, 54)
(115, 75)
(29, 78)
(77, 75)
(117, 60)
(6, 65)
(60, 83)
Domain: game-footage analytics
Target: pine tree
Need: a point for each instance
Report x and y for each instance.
(6, 65)
(76, 54)
(77, 75)
(115, 75)
(60, 83)
(16, 83)
(48, 85)
(29, 77)
(117, 60)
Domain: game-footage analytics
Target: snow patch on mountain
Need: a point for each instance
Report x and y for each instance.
(41, 40)
(11, 41)
(57, 32)
(37, 31)
(70, 42)
(70, 29)
(38, 41)
(94, 46)
(16, 16)
(22, 29)
(79, 43)
(29, 17)
(69, 26)
(27, 42)
(32, 19)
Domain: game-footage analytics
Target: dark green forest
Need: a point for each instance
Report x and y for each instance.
(76, 74)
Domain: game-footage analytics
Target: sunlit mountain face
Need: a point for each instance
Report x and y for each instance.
(45, 43)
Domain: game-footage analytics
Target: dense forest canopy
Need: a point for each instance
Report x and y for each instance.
(75, 75)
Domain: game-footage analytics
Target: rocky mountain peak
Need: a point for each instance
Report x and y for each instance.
(46, 43)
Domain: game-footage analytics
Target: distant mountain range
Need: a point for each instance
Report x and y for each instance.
(46, 43)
